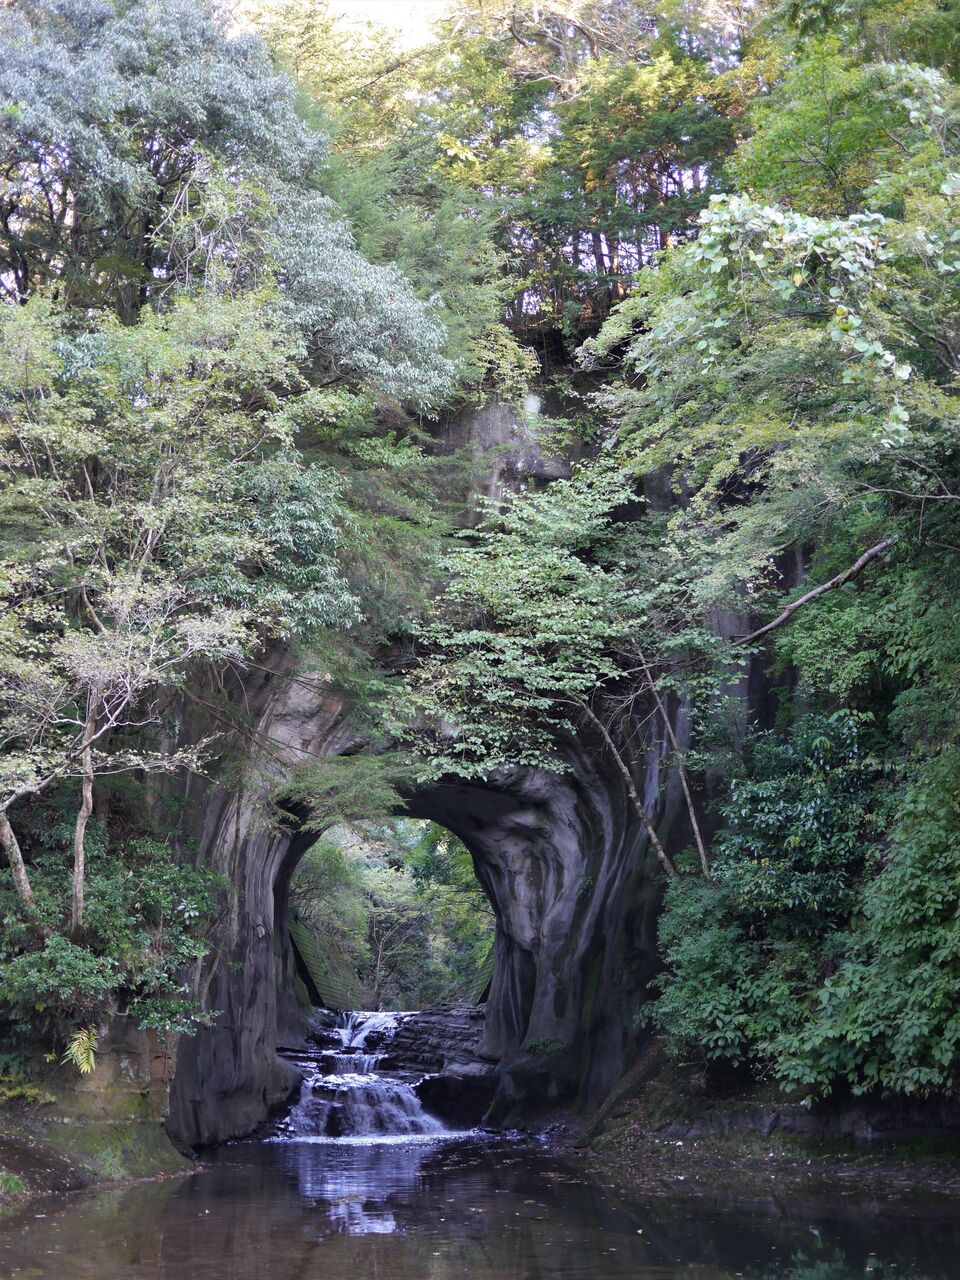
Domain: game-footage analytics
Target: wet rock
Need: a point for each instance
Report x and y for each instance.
(564, 862)
(461, 1100)
(446, 1042)
(562, 856)
(336, 1126)
(441, 1038)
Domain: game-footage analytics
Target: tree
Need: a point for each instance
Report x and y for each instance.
(172, 277)
(385, 172)
(595, 137)
(150, 149)
(781, 389)
(156, 519)
(794, 375)
(547, 627)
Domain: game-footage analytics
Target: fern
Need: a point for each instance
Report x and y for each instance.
(82, 1049)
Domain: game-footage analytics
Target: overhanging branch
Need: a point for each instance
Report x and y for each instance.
(846, 576)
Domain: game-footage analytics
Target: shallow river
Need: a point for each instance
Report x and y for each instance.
(453, 1209)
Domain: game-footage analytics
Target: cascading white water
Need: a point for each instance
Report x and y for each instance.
(344, 1096)
(351, 1063)
(361, 1027)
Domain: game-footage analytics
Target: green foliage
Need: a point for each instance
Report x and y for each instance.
(523, 632)
(81, 1050)
(398, 904)
(828, 962)
(743, 952)
(460, 935)
(12, 1187)
(346, 789)
(171, 155)
(63, 976)
(504, 368)
(718, 1001)
(580, 120)
(92, 87)
(792, 839)
(383, 172)
(152, 523)
(182, 307)
(544, 1047)
(835, 128)
(146, 926)
(15, 1087)
(788, 368)
(887, 1018)
(928, 33)
(528, 159)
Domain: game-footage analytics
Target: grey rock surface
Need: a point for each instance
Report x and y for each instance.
(562, 858)
(442, 1038)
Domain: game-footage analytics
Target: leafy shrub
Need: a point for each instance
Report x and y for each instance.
(745, 953)
(832, 969)
(62, 977)
(724, 997)
(888, 1018)
(148, 913)
(545, 1047)
(11, 1186)
(792, 841)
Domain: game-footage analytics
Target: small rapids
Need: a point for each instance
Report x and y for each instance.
(350, 1090)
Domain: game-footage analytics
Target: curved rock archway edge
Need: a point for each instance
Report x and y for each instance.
(561, 856)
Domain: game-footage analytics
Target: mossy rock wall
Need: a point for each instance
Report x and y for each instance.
(105, 1126)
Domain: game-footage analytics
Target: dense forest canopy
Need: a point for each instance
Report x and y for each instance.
(249, 261)
(403, 920)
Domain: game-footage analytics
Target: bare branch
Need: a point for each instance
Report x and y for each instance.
(635, 800)
(846, 576)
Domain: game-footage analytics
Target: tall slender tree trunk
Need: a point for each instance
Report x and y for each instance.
(599, 256)
(664, 857)
(681, 770)
(11, 847)
(83, 817)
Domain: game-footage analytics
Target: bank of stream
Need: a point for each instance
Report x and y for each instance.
(359, 1178)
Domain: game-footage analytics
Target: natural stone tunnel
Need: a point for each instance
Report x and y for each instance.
(560, 855)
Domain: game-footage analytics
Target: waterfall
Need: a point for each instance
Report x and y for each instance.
(360, 1028)
(346, 1095)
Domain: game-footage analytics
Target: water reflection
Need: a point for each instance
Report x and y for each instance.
(355, 1184)
(450, 1211)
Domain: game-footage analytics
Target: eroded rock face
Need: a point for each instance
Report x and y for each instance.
(228, 1077)
(511, 449)
(445, 1037)
(565, 865)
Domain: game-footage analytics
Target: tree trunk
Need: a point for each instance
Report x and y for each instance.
(681, 769)
(635, 800)
(83, 817)
(11, 846)
(598, 255)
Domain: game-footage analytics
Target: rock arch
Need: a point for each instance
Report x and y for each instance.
(563, 860)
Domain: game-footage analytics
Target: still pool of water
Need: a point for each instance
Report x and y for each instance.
(454, 1209)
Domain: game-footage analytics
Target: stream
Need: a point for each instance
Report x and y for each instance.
(358, 1181)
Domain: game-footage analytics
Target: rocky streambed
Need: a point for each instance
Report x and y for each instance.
(375, 1074)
